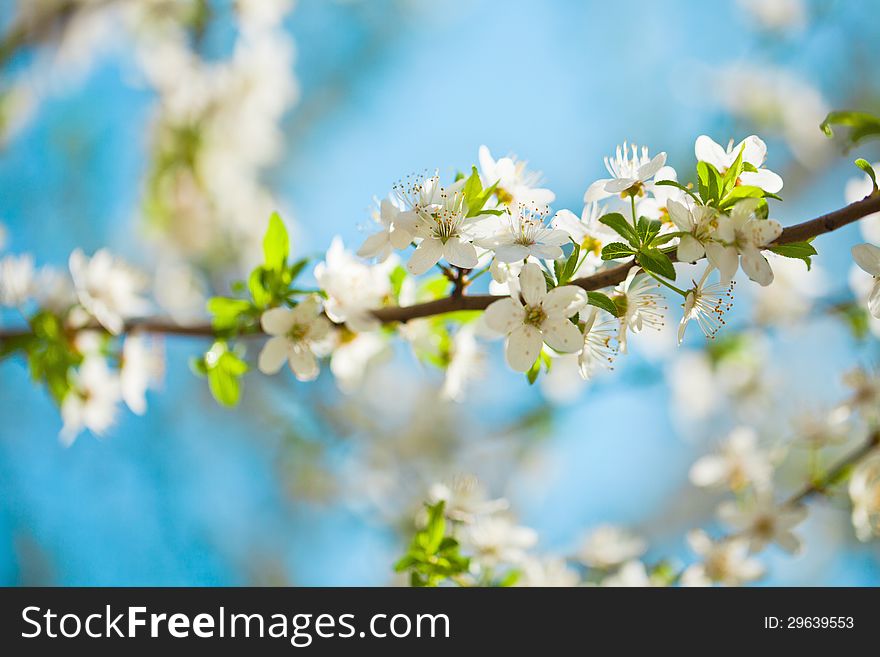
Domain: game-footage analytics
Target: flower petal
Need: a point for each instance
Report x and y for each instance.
(509, 253)
(763, 178)
(756, 267)
(460, 254)
(532, 284)
(426, 255)
(277, 321)
(647, 170)
(874, 300)
(708, 150)
(680, 215)
(373, 245)
(303, 362)
(563, 302)
(273, 355)
(764, 231)
(562, 335)
(596, 191)
(754, 150)
(568, 221)
(617, 185)
(504, 315)
(546, 251)
(724, 258)
(690, 249)
(523, 347)
(867, 256)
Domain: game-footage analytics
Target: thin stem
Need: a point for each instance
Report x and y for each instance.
(666, 283)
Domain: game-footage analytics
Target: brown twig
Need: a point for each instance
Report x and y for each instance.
(602, 279)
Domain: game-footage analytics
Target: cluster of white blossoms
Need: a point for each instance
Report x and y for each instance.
(75, 316)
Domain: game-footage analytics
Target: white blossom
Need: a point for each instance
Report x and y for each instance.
(351, 354)
(864, 493)
(441, 225)
(294, 333)
(588, 232)
(754, 152)
(867, 256)
(632, 574)
(762, 522)
(724, 562)
(497, 540)
(547, 572)
(522, 233)
(397, 231)
(141, 365)
(515, 184)
(91, 401)
(466, 363)
(465, 499)
(16, 279)
(739, 463)
(600, 333)
(629, 173)
(107, 288)
(706, 304)
(698, 223)
(608, 546)
(353, 288)
(744, 234)
(638, 296)
(541, 317)
(776, 14)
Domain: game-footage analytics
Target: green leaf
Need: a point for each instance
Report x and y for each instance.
(276, 244)
(800, 250)
(861, 124)
(475, 196)
(728, 181)
(740, 192)
(657, 262)
(226, 312)
(397, 277)
(261, 295)
(647, 229)
(602, 301)
(616, 222)
(568, 271)
(865, 166)
(616, 250)
(224, 369)
(534, 371)
(709, 182)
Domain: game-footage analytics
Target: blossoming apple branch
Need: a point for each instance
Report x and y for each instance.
(801, 232)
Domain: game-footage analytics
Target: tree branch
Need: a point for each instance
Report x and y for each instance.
(605, 278)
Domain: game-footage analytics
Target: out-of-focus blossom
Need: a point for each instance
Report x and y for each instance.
(497, 540)
(739, 463)
(466, 363)
(631, 574)
(762, 522)
(108, 289)
(775, 100)
(91, 402)
(547, 571)
(465, 499)
(864, 492)
(776, 15)
(790, 297)
(608, 546)
(16, 279)
(142, 364)
(724, 562)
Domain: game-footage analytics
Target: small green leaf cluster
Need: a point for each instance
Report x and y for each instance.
(269, 284)
(434, 555)
(643, 242)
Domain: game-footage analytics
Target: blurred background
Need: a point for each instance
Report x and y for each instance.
(316, 108)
